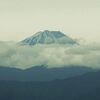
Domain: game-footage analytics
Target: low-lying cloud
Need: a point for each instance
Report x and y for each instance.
(23, 56)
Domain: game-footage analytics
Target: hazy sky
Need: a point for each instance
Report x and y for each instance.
(22, 18)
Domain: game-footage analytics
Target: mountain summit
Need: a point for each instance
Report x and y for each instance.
(48, 37)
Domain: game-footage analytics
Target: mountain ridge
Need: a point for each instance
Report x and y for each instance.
(84, 87)
(42, 73)
(48, 37)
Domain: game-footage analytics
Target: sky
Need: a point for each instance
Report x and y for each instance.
(76, 18)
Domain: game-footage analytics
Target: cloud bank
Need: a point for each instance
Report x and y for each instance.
(22, 56)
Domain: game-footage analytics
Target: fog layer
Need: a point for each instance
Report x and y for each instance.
(23, 56)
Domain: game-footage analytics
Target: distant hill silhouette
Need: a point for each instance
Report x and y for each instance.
(84, 87)
(41, 73)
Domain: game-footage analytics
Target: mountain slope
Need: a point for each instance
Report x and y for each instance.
(41, 73)
(48, 37)
(84, 87)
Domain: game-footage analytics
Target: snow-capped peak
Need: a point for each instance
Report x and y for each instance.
(48, 37)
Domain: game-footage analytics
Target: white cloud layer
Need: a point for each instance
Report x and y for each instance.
(19, 56)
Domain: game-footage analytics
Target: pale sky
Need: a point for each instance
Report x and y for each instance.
(76, 18)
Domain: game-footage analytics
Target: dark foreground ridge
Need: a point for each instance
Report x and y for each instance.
(84, 87)
(42, 73)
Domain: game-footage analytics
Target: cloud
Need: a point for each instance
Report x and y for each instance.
(22, 56)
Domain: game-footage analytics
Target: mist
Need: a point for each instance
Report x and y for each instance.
(24, 56)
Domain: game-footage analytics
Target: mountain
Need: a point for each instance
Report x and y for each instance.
(48, 37)
(84, 87)
(42, 73)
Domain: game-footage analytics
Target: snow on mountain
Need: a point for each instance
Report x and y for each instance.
(48, 37)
